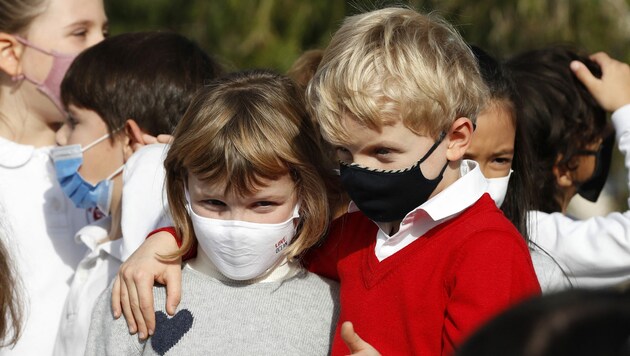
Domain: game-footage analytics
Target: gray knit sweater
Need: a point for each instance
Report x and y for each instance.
(296, 316)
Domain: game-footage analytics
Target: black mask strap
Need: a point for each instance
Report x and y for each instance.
(435, 145)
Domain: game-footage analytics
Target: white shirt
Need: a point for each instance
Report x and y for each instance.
(41, 222)
(92, 277)
(447, 204)
(595, 252)
(143, 209)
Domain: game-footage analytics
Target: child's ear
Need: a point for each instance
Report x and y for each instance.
(459, 138)
(564, 176)
(134, 135)
(10, 54)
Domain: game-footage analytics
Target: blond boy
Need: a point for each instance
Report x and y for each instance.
(429, 256)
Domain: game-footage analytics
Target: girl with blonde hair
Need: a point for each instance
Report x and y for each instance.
(247, 183)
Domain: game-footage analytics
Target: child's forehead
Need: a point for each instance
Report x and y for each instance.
(356, 132)
(281, 186)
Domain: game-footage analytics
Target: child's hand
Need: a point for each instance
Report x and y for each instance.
(133, 286)
(612, 91)
(163, 138)
(149, 140)
(356, 345)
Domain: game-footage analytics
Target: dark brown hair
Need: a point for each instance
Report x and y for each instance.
(569, 323)
(149, 77)
(557, 115)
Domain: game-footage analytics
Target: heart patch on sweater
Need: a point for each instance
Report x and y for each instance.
(168, 331)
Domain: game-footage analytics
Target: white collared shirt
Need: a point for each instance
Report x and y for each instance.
(446, 205)
(93, 275)
(38, 225)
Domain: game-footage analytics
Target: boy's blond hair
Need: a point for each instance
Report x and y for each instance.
(396, 64)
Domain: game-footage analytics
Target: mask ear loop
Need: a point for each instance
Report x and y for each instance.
(296, 211)
(116, 172)
(25, 42)
(99, 140)
(435, 146)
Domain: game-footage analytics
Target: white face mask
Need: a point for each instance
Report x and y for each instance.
(242, 250)
(497, 188)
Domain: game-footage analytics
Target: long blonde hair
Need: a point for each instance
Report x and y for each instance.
(244, 127)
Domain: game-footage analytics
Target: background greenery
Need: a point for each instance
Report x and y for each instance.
(273, 33)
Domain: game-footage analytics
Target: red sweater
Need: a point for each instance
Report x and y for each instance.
(426, 298)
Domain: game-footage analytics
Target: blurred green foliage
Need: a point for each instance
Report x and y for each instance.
(273, 33)
(260, 33)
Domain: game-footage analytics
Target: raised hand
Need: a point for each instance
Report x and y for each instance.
(612, 90)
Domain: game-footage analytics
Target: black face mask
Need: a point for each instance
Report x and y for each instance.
(386, 196)
(591, 188)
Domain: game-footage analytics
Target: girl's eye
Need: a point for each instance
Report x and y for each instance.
(503, 160)
(264, 203)
(213, 203)
(80, 33)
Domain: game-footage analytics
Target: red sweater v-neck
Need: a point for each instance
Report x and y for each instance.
(426, 298)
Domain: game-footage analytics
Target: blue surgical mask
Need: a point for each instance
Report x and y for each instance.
(67, 160)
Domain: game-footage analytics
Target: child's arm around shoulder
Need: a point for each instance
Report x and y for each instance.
(491, 271)
(132, 291)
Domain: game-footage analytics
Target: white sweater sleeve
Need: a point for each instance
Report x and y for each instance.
(595, 252)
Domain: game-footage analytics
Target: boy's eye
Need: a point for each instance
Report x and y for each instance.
(382, 151)
(72, 122)
(343, 154)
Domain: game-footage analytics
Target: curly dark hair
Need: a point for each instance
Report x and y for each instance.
(557, 115)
